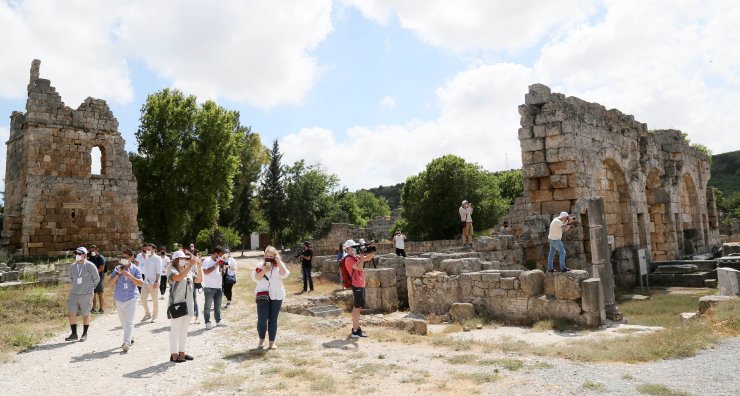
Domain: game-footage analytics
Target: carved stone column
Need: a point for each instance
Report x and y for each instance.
(602, 266)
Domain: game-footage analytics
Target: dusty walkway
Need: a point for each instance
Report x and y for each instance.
(315, 356)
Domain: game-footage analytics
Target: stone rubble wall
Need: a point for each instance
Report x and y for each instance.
(381, 293)
(511, 295)
(53, 202)
(653, 183)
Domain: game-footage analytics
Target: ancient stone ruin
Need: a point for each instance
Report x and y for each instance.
(654, 184)
(53, 200)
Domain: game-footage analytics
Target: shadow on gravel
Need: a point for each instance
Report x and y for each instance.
(47, 347)
(345, 344)
(195, 332)
(93, 356)
(161, 330)
(138, 324)
(150, 371)
(251, 354)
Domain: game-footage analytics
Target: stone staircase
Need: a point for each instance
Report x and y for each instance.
(684, 273)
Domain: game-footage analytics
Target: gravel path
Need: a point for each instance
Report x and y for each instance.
(99, 366)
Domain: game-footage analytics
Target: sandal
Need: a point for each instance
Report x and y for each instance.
(186, 357)
(179, 359)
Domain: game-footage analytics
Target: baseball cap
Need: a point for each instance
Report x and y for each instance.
(464, 202)
(178, 254)
(563, 214)
(350, 243)
(81, 250)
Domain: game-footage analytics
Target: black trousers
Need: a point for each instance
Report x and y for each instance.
(227, 291)
(307, 280)
(162, 284)
(400, 252)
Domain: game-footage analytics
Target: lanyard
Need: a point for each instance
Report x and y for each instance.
(79, 269)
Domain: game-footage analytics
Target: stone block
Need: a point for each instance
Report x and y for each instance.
(371, 278)
(568, 284)
(462, 311)
(387, 277)
(562, 168)
(549, 284)
(536, 170)
(324, 311)
(540, 195)
(458, 266)
(538, 94)
(676, 269)
(373, 298)
(507, 283)
(417, 267)
(553, 207)
(569, 193)
(525, 133)
(559, 181)
(707, 302)
(534, 144)
(532, 282)
(729, 281)
(415, 326)
(390, 299)
(594, 319)
(592, 298)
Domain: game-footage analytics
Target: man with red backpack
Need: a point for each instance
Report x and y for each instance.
(353, 276)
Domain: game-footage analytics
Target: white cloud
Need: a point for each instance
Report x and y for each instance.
(255, 52)
(478, 123)
(388, 102)
(478, 24)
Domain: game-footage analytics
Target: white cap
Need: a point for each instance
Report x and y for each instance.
(81, 250)
(178, 254)
(349, 243)
(362, 241)
(464, 202)
(563, 214)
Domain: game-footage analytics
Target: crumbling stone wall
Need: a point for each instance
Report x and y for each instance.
(653, 183)
(512, 295)
(52, 201)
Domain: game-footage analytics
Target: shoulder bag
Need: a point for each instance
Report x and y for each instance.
(177, 310)
(263, 297)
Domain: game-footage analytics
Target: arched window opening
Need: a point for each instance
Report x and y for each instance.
(96, 167)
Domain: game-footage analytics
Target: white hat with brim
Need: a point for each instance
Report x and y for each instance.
(350, 243)
(178, 254)
(563, 214)
(81, 250)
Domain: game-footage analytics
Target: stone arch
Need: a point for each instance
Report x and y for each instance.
(97, 160)
(662, 235)
(611, 184)
(692, 233)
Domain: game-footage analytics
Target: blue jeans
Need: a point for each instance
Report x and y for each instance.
(213, 296)
(195, 299)
(556, 245)
(267, 319)
(307, 280)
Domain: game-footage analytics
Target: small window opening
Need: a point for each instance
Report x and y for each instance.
(97, 161)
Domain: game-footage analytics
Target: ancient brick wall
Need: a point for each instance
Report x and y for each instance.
(53, 201)
(653, 183)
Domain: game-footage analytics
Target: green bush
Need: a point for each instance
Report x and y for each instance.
(209, 238)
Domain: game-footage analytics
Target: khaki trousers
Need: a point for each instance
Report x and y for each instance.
(146, 291)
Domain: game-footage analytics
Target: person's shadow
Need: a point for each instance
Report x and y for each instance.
(195, 332)
(150, 371)
(250, 354)
(47, 347)
(345, 344)
(93, 355)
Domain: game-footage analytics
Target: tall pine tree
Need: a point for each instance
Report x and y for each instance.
(272, 195)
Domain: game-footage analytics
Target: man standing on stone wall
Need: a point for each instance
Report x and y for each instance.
(151, 269)
(96, 258)
(399, 241)
(558, 225)
(84, 277)
(466, 222)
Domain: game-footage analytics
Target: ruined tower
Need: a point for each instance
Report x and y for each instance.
(68, 179)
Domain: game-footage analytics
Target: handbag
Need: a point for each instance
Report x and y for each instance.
(230, 279)
(263, 297)
(177, 310)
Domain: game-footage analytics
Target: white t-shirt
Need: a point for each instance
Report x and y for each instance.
(466, 214)
(232, 266)
(556, 230)
(398, 241)
(214, 279)
(165, 263)
(275, 283)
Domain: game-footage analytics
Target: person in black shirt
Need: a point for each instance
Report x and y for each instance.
(306, 259)
(96, 258)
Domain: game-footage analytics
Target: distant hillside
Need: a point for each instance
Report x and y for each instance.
(391, 193)
(726, 172)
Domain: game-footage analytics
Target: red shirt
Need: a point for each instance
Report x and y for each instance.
(357, 275)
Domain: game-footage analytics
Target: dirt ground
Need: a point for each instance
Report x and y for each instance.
(316, 356)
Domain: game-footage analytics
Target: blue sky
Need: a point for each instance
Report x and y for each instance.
(374, 90)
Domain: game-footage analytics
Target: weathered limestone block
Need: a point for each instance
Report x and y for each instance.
(372, 280)
(538, 94)
(729, 281)
(387, 277)
(417, 267)
(458, 266)
(676, 269)
(487, 244)
(549, 284)
(707, 302)
(373, 298)
(511, 273)
(592, 299)
(462, 311)
(532, 282)
(389, 297)
(438, 257)
(507, 283)
(568, 284)
(415, 326)
(516, 308)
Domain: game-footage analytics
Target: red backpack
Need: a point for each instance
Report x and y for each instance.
(346, 276)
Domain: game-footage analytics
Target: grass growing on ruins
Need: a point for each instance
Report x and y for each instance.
(659, 390)
(662, 309)
(553, 324)
(593, 386)
(725, 318)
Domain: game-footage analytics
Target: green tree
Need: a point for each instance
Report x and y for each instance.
(510, 184)
(431, 199)
(371, 206)
(308, 199)
(272, 195)
(209, 238)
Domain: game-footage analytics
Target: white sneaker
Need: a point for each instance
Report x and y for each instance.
(209, 326)
(221, 324)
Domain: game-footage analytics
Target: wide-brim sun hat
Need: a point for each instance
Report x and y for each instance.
(178, 254)
(350, 243)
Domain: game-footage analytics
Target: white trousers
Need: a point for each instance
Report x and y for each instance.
(179, 333)
(146, 291)
(126, 312)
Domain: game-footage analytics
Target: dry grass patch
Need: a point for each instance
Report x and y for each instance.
(220, 384)
(659, 390)
(554, 324)
(593, 386)
(417, 377)
(476, 377)
(509, 364)
(725, 318)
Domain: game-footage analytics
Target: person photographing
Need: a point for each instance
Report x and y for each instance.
(558, 225)
(180, 277)
(269, 294)
(125, 279)
(354, 275)
(306, 256)
(466, 222)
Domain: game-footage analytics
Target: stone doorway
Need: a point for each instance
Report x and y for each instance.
(662, 234)
(691, 221)
(611, 185)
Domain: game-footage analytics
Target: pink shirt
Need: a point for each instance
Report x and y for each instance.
(357, 276)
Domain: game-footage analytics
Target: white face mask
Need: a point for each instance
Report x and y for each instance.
(124, 262)
(80, 257)
(148, 254)
(226, 256)
(93, 254)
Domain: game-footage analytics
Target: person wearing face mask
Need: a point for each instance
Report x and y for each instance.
(269, 293)
(96, 258)
(84, 276)
(151, 269)
(212, 287)
(229, 280)
(163, 275)
(180, 277)
(124, 279)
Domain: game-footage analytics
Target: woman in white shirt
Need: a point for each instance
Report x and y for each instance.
(181, 289)
(269, 276)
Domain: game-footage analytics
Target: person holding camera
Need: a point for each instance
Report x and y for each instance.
(466, 222)
(306, 256)
(269, 292)
(212, 287)
(229, 280)
(180, 277)
(125, 279)
(399, 241)
(84, 276)
(354, 264)
(558, 225)
(197, 280)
